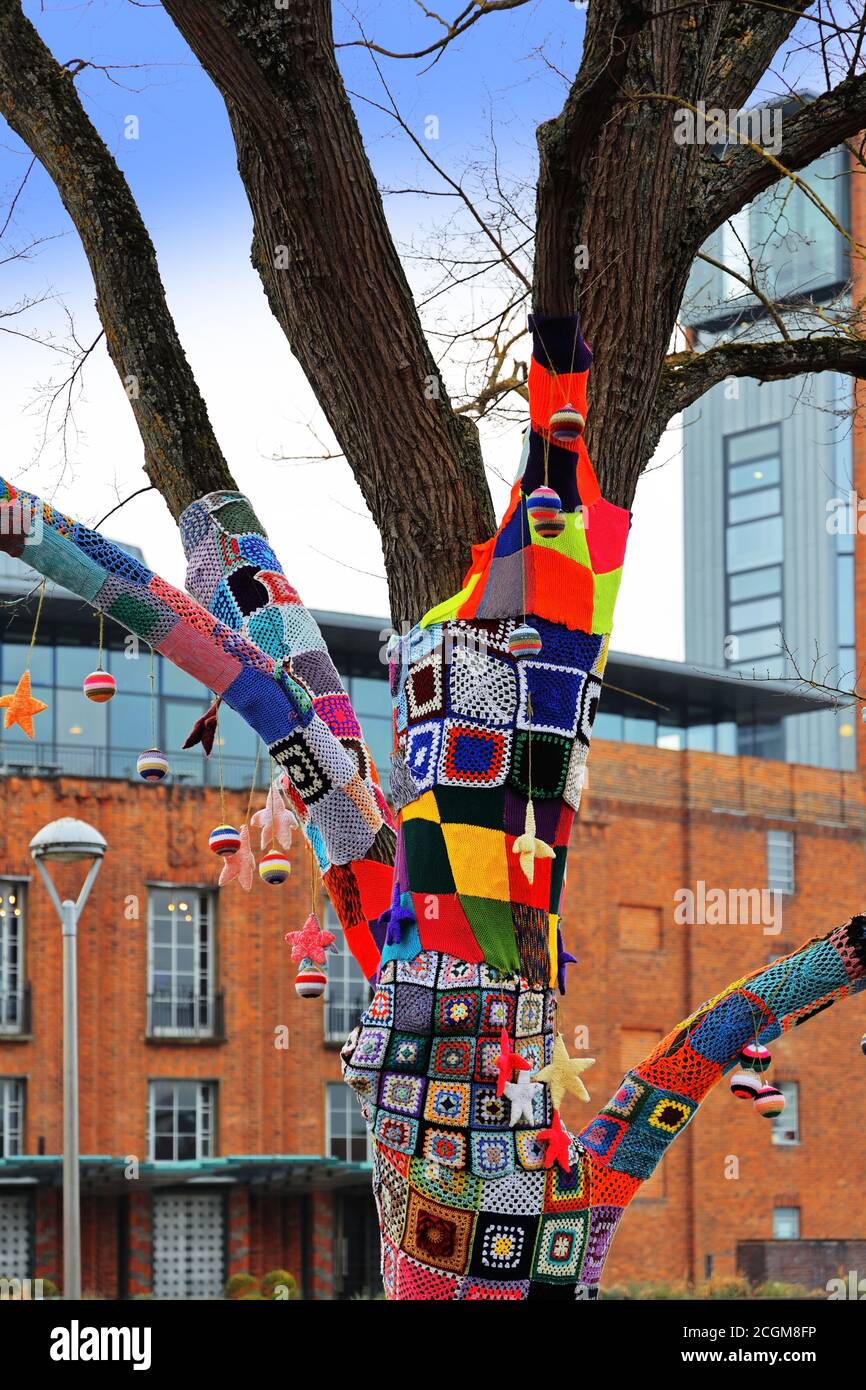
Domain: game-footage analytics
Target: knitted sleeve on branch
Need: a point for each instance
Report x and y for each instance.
(346, 818)
(660, 1095)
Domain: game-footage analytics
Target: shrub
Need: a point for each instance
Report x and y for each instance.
(276, 1283)
(239, 1285)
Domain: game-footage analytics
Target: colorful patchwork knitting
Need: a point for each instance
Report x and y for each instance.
(473, 1206)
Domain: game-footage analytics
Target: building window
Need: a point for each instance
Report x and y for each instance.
(786, 1127)
(640, 928)
(180, 1120)
(12, 992)
(348, 992)
(780, 861)
(11, 1116)
(346, 1136)
(753, 547)
(786, 1223)
(180, 963)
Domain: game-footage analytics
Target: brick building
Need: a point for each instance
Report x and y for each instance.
(215, 1133)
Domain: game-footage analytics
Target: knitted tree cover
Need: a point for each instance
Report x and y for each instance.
(482, 1193)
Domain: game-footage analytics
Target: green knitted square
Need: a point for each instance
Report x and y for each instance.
(132, 613)
(493, 929)
(472, 806)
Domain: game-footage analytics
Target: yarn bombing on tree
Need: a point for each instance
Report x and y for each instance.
(481, 1189)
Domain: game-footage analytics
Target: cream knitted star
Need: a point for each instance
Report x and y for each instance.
(529, 847)
(563, 1073)
(521, 1093)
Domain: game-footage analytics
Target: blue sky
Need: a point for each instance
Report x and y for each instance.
(181, 168)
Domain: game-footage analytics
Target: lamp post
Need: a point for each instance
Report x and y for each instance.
(69, 841)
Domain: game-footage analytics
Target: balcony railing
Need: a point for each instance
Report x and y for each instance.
(83, 760)
(341, 1016)
(185, 1016)
(15, 1011)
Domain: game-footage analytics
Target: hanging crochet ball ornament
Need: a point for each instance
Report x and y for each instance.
(754, 1057)
(152, 765)
(545, 512)
(745, 1085)
(566, 424)
(311, 980)
(769, 1102)
(224, 839)
(524, 641)
(274, 867)
(863, 1044)
(99, 687)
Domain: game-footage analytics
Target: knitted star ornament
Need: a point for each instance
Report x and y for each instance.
(507, 1063)
(556, 1140)
(204, 730)
(311, 942)
(529, 847)
(275, 821)
(241, 865)
(21, 706)
(562, 1074)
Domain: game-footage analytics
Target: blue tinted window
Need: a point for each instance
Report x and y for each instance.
(754, 544)
(72, 664)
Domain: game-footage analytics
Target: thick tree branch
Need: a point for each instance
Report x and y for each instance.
(686, 376)
(335, 283)
(728, 184)
(38, 99)
(751, 35)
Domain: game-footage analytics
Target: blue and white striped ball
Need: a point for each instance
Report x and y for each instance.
(152, 765)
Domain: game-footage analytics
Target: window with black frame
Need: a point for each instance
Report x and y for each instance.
(12, 986)
(348, 992)
(754, 550)
(181, 994)
(11, 1116)
(180, 1120)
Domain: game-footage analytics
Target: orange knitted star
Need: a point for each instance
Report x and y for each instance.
(20, 707)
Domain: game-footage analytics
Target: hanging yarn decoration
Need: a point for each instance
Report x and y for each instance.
(863, 1044)
(311, 942)
(530, 847)
(745, 1085)
(241, 864)
(755, 1057)
(224, 839)
(20, 707)
(274, 867)
(310, 981)
(769, 1102)
(544, 506)
(566, 424)
(275, 821)
(524, 641)
(204, 730)
(151, 765)
(100, 686)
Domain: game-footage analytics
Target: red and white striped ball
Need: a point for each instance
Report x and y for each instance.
(545, 511)
(100, 686)
(745, 1085)
(310, 980)
(566, 424)
(224, 839)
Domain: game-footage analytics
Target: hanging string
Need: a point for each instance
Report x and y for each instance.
(314, 875)
(152, 681)
(101, 639)
(219, 744)
(253, 783)
(35, 626)
(272, 778)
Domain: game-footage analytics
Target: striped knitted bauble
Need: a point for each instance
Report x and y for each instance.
(224, 839)
(769, 1102)
(152, 765)
(745, 1085)
(755, 1057)
(274, 867)
(524, 641)
(566, 424)
(99, 686)
(544, 507)
(311, 980)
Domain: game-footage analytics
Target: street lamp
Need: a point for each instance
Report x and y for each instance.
(69, 841)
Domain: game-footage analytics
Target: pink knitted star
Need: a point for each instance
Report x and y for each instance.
(240, 865)
(275, 821)
(311, 942)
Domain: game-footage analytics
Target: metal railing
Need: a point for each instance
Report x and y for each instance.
(82, 760)
(15, 1012)
(185, 1016)
(342, 1015)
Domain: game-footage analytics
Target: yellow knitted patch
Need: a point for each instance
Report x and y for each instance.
(478, 856)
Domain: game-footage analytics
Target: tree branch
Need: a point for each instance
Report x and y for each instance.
(729, 183)
(686, 376)
(38, 99)
(335, 283)
(750, 37)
